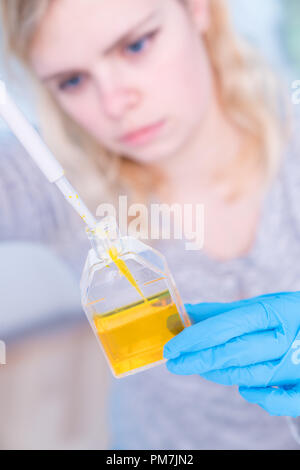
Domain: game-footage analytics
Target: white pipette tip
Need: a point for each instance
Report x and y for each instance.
(40, 153)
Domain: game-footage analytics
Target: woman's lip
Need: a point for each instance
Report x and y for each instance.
(142, 135)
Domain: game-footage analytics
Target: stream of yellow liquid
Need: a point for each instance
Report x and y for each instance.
(134, 336)
(113, 253)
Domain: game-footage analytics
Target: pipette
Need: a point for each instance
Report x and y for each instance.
(45, 160)
(40, 153)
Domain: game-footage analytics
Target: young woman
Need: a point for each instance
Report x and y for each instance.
(165, 102)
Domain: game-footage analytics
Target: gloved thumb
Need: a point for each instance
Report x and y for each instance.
(202, 311)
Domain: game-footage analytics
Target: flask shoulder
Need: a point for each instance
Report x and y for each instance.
(143, 253)
(92, 264)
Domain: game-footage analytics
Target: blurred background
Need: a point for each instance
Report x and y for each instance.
(54, 387)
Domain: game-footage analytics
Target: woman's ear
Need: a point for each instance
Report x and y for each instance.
(200, 13)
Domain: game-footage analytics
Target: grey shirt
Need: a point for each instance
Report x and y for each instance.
(156, 409)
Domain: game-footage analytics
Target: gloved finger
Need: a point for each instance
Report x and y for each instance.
(240, 352)
(276, 401)
(202, 311)
(221, 328)
(257, 375)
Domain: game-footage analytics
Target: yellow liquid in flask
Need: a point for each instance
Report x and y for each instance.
(134, 336)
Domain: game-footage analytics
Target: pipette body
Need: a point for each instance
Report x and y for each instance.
(40, 153)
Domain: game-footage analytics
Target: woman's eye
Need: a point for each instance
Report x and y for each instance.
(137, 47)
(71, 83)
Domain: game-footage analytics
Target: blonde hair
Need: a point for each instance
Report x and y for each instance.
(245, 88)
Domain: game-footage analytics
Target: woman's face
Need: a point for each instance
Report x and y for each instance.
(123, 66)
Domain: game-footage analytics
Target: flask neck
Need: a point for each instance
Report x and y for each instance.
(104, 237)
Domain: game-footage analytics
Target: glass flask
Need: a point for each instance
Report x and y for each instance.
(130, 299)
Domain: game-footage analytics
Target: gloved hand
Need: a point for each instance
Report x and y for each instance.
(253, 343)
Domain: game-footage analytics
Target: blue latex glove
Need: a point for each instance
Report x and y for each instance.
(253, 343)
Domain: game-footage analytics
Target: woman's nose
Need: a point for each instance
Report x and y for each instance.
(116, 89)
(117, 100)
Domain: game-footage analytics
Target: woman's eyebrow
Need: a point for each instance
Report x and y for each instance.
(107, 49)
(129, 32)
